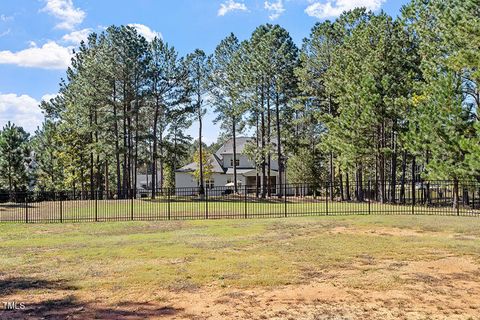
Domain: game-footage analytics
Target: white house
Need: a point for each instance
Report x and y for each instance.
(222, 162)
(144, 181)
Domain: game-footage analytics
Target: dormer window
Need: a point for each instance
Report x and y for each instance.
(237, 162)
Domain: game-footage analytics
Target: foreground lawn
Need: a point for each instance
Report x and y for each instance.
(420, 267)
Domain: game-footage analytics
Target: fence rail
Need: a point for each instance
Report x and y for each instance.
(369, 197)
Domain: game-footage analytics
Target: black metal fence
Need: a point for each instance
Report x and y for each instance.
(369, 197)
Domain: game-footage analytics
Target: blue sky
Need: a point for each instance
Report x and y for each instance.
(37, 36)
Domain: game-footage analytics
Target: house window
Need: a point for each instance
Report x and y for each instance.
(237, 162)
(209, 184)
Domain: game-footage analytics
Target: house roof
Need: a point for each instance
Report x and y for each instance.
(240, 171)
(217, 158)
(216, 164)
(227, 147)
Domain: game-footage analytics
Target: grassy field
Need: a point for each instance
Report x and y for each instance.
(345, 267)
(145, 209)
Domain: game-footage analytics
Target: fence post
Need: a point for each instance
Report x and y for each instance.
(96, 206)
(458, 205)
(206, 203)
(473, 199)
(168, 202)
(61, 207)
(326, 199)
(245, 200)
(131, 203)
(26, 207)
(285, 197)
(413, 196)
(369, 196)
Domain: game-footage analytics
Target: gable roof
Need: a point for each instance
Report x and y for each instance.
(217, 158)
(227, 147)
(216, 166)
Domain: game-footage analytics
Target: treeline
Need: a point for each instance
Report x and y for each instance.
(366, 97)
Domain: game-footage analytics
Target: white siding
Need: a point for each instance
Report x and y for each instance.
(185, 180)
(244, 161)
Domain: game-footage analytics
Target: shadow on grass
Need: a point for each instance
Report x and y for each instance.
(15, 205)
(68, 307)
(17, 284)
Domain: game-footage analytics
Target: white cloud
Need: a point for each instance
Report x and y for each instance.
(22, 110)
(229, 6)
(5, 18)
(334, 8)
(49, 96)
(4, 33)
(145, 31)
(276, 8)
(65, 11)
(49, 56)
(76, 37)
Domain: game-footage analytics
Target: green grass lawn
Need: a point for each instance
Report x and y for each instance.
(114, 263)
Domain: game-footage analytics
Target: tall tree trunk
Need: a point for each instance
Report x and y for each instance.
(74, 185)
(414, 191)
(340, 182)
(257, 175)
(332, 172)
(125, 151)
(175, 151)
(375, 187)
(135, 162)
(162, 162)
(331, 176)
(264, 174)
(82, 180)
(428, 196)
(92, 180)
(455, 193)
(10, 182)
(107, 180)
(200, 147)
(154, 148)
(393, 185)
(269, 141)
(360, 182)
(347, 186)
(381, 164)
(130, 149)
(281, 165)
(404, 173)
(117, 143)
(234, 142)
(99, 178)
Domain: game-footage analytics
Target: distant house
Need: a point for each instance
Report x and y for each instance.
(222, 162)
(144, 181)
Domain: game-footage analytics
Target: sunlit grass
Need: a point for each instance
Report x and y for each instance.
(146, 209)
(108, 259)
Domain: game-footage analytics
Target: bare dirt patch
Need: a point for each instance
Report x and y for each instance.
(447, 288)
(423, 290)
(308, 269)
(397, 232)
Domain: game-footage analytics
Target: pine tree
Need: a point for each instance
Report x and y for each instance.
(14, 159)
(226, 92)
(167, 94)
(199, 72)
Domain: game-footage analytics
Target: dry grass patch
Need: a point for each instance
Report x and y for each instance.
(359, 267)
